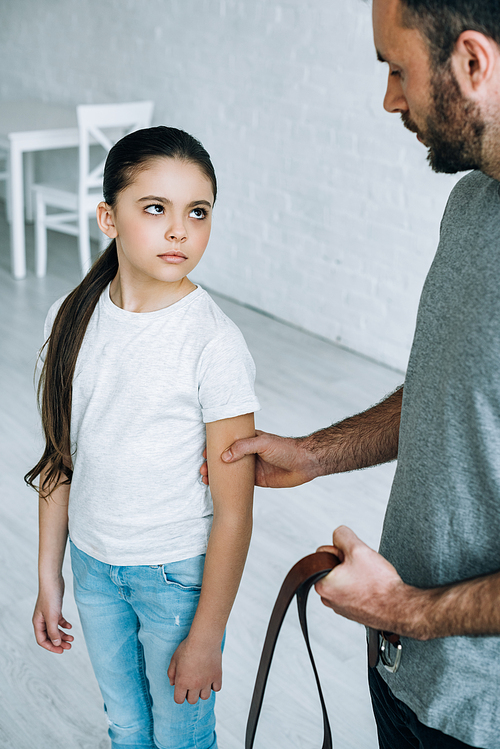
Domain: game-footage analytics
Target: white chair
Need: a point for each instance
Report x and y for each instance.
(75, 207)
(3, 159)
(4, 175)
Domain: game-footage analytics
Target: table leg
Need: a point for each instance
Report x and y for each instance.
(17, 242)
(29, 181)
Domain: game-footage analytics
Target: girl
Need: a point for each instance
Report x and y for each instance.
(142, 368)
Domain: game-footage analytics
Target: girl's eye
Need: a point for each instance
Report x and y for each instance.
(198, 213)
(156, 209)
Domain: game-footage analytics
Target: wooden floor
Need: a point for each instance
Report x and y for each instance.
(52, 702)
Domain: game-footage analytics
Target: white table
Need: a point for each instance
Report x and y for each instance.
(26, 127)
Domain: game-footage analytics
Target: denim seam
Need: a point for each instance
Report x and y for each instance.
(144, 684)
(195, 724)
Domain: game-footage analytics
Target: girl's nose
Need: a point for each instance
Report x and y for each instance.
(394, 99)
(176, 232)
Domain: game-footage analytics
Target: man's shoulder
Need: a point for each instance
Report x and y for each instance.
(473, 184)
(473, 195)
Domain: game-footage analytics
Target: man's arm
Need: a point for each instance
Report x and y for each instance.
(364, 440)
(367, 439)
(367, 589)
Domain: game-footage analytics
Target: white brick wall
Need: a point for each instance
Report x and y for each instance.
(328, 215)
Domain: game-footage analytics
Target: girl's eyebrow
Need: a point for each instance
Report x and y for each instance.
(166, 201)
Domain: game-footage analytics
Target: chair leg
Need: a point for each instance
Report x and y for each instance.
(40, 237)
(5, 176)
(84, 243)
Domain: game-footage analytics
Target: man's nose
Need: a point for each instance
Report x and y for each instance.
(394, 99)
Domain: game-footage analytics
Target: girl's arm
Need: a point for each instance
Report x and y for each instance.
(53, 534)
(195, 667)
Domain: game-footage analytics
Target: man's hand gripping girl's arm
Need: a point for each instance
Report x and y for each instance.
(195, 668)
(53, 529)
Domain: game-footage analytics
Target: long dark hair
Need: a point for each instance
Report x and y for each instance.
(128, 156)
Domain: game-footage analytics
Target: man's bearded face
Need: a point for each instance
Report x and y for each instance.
(453, 130)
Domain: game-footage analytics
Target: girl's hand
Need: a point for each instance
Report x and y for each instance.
(47, 618)
(194, 671)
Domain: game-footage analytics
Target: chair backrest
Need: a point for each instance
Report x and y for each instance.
(117, 120)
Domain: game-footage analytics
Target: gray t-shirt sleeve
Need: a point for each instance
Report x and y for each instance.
(226, 378)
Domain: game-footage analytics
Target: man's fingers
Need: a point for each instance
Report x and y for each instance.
(240, 448)
(332, 550)
(344, 540)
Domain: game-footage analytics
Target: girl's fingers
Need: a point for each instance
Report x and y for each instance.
(171, 674)
(54, 634)
(180, 695)
(55, 640)
(41, 635)
(217, 686)
(64, 623)
(205, 693)
(192, 696)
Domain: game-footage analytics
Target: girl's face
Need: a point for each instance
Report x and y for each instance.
(161, 221)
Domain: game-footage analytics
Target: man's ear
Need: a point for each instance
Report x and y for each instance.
(475, 62)
(106, 221)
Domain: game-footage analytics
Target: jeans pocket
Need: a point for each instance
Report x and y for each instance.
(186, 574)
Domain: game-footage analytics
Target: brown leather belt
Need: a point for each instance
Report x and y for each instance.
(298, 582)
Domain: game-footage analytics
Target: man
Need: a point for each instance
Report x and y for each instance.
(436, 581)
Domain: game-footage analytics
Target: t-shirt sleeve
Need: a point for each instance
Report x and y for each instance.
(227, 378)
(49, 322)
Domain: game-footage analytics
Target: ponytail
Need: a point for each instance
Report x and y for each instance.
(56, 380)
(125, 159)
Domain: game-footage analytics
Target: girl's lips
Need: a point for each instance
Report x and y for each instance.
(173, 258)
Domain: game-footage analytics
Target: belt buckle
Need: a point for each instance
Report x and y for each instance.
(387, 641)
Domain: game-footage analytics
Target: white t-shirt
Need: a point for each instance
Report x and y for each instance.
(145, 384)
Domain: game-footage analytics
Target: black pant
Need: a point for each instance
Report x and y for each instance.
(398, 727)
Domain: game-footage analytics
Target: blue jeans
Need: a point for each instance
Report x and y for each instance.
(133, 619)
(398, 727)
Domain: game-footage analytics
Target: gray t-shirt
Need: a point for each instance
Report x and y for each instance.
(145, 385)
(443, 519)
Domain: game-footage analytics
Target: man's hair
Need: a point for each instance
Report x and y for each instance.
(442, 21)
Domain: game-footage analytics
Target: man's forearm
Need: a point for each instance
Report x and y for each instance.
(466, 608)
(367, 589)
(363, 440)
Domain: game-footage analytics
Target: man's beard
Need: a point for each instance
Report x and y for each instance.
(454, 129)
